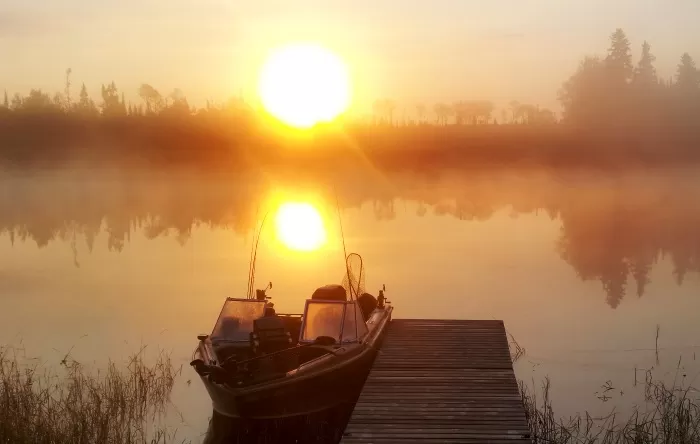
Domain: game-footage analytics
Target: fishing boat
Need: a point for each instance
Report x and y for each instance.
(260, 364)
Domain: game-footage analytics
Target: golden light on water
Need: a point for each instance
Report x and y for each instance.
(299, 226)
(304, 84)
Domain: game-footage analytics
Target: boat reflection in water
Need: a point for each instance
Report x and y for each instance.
(322, 427)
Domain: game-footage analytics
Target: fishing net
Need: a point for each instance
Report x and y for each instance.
(354, 280)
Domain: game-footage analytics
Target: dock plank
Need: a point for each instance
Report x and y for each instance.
(440, 381)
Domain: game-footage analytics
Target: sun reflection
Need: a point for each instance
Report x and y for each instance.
(299, 226)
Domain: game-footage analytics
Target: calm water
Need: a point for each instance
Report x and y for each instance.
(581, 266)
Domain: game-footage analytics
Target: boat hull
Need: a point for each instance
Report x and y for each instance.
(295, 397)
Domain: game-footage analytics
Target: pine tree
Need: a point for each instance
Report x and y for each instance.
(619, 59)
(84, 98)
(85, 105)
(687, 76)
(645, 73)
(6, 101)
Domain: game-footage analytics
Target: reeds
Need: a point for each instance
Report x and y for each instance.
(120, 404)
(670, 415)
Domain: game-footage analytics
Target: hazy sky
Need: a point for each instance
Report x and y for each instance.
(408, 50)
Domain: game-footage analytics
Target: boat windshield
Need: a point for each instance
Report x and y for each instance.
(339, 320)
(235, 321)
(354, 326)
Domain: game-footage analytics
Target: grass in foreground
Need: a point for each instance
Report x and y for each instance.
(671, 415)
(119, 405)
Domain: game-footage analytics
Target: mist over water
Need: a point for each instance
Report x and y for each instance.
(581, 265)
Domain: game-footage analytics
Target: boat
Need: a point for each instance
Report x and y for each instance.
(260, 364)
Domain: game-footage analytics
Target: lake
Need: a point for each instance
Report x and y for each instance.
(583, 266)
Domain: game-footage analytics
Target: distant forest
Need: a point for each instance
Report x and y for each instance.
(616, 110)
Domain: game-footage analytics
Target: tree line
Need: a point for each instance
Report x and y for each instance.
(112, 103)
(603, 90)
(613, 90)
(463, 112)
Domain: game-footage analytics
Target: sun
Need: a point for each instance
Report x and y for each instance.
(304, 84)
(299, 226)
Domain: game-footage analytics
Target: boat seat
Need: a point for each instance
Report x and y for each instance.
(269, 335)
(332, 292)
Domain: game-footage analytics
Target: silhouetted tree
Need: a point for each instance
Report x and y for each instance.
(58, 101)
(111, 104)
(36, 102)
(16, 103)
(443, 112)
(687, 78)
(86, 106)
(619, 59)
(584, 95)
(645, 73)
(610, 92)
(68, 103)
(152, 98)
(686, 91)
(179, 106)
(472, 112)
(641, 268)
(6, 101)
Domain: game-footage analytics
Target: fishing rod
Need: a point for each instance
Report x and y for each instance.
(254, 257)
(347, 265)
(342, 236)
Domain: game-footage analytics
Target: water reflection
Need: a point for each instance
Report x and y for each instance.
(321, 428)
(614, 227)
(299, 226)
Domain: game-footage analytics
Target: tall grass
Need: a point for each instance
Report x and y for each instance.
(669, 415)
(120, 404)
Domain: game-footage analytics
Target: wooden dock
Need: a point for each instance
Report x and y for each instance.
(440, 381)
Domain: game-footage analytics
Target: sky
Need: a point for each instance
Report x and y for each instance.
(410, 51)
